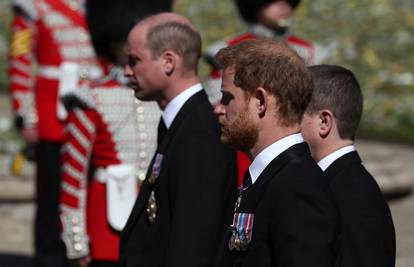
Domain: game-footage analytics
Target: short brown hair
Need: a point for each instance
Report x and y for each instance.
(275, 67)
(178, 37)
(337, 89)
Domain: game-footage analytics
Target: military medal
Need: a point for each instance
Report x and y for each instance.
(152, 208)
(232, 239)
(237, 204)
(243, 242)
(152, 201)
(241, 231)
(156, 168)
(243, 188)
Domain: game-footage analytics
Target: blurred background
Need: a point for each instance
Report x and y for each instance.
(373, 38)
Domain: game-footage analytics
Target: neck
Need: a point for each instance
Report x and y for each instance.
(326, 148)
(271, 135)
(175, 88)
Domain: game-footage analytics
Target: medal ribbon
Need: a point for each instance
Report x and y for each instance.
(156, 167)
(243, 223)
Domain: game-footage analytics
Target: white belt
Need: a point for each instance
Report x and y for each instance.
(54, 72)
(118, 170)
(101, 175)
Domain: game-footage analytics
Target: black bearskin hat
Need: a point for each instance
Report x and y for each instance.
(110, 21)
(248, 8)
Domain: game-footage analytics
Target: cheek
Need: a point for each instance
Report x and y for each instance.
(306, 128)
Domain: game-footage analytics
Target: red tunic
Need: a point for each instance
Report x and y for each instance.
(47, 34)
(110, 129)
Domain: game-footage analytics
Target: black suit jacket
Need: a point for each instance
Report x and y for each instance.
(367, 230)
(295, 223)
(194, 192)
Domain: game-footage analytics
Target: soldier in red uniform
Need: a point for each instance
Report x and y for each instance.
(109, 140)
(50, 53)
(266, 18)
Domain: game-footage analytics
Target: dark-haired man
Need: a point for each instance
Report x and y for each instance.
(329, 126)
(185, 201)
(283, 215)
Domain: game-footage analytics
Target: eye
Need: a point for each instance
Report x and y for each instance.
(226, 98)
(132, 61)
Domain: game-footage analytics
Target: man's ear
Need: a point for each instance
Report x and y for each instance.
(326, 122)
(262, 101)
(169, 61)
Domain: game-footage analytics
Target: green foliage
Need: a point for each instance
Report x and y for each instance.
(373, 38)
(4, 35)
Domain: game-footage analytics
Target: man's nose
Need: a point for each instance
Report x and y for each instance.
(127, 71)
(219, 109)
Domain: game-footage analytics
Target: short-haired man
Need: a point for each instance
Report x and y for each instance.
(283, 215)
(185, 201)
(329, 126)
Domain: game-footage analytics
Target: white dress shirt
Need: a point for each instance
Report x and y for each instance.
(271, 152)
(172, 108)
(328, 160)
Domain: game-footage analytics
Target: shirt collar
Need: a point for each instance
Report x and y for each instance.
(328, 160)
(172, 108)
(271, 152)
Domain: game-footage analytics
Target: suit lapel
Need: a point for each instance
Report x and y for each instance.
(257, 190)
(190, 105)
(346, 160)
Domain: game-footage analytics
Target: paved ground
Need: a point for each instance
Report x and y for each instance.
(391, 164)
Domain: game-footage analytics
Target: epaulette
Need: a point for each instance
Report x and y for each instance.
(304, 48)
(28, 7)
(115, 76)
(80, 98)
(213, 49)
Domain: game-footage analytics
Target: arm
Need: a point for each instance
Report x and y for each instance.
(205, 182)
(76, 152)
(21, 64)
(303, 228)
(368, 235)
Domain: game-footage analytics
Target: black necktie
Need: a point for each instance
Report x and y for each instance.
(162, 130)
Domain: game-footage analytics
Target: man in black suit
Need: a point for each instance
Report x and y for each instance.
(185, 201)
(329, 126)
(284, 215)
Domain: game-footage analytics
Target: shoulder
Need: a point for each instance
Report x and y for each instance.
(356, 182)
(213, 49)
(81, 98)
(200, 131)
(303, 47)
(300, 181)
(298, 41)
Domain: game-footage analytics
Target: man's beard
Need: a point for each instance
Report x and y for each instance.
(242, 134)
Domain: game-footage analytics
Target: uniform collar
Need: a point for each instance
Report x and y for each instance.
(263, 31)
(271, 152)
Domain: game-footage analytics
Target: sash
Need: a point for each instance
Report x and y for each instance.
(74, 15)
